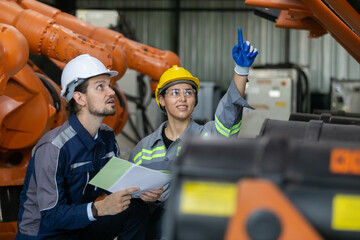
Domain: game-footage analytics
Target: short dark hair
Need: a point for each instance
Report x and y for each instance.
(72, 106)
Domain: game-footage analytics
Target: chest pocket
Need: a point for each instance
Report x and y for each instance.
(81, 167)
(78, 179)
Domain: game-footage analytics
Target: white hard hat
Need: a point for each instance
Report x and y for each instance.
(78, 70)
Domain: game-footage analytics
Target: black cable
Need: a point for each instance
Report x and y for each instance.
(149, 125)
(135, 100)
(54, 95)
(142, 89)
(120, 97)
(133, 127)
(47, 66)
(305, 93)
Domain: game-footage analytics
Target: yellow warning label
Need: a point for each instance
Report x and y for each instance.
(208, 198)
(346, 212)
(280, 104)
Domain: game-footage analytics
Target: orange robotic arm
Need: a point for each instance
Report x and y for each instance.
(14, 52)
(319, 17)
(145, 59)
(46, 37)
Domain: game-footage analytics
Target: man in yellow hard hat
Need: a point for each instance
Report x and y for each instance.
(176, 95)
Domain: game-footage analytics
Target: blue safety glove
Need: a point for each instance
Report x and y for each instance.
(244, 55)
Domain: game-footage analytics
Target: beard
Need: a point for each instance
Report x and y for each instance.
(101, 113)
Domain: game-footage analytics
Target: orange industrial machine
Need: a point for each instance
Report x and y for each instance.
(30, 102)
(274, 188)
(339, 18)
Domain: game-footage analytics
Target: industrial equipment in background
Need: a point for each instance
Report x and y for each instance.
(273, 187)
(312, 130)
(275, 91)
(345, 95)
(218, 183)
(338, 18)
(297, 179)
(327, 116)
(209, 96)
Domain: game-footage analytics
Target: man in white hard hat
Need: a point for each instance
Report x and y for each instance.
(57, 201)
(176, 95)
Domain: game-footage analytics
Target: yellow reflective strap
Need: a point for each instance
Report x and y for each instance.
(234, 132)
(149, 152)
(222, 126)
(178, 151)
(137, 155)
(225, 131)
(153, 156)
(221, 129)
(236, 128)
(153, 150)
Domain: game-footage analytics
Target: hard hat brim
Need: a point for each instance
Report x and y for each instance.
(112, 73)
(192, 83)
(67, 93)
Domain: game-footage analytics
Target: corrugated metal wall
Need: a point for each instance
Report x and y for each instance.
(208, 31)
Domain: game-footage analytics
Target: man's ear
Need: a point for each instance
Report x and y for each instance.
(79, 98)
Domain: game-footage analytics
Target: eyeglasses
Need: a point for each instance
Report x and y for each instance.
(188, 93)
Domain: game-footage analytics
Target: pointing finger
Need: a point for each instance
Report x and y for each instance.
(240, 37)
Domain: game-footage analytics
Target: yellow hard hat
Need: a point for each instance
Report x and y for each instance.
(173, 76)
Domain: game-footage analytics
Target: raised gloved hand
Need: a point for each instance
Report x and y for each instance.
(244, 55)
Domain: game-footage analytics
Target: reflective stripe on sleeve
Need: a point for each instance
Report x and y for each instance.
(146, 154)
(236, 128)
(225, 131)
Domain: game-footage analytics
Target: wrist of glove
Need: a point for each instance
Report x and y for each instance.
(242, 71)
